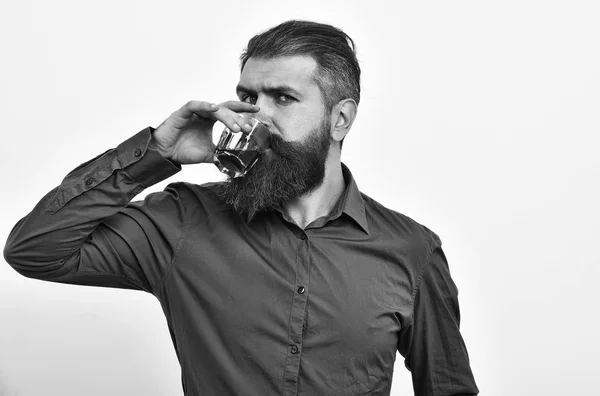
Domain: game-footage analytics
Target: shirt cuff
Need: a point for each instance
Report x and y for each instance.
(141, 161)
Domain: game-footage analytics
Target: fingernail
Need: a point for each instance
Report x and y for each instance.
(248, 127)
(236, 127)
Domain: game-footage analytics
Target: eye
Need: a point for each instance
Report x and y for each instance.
(283, 98)
(249, 99)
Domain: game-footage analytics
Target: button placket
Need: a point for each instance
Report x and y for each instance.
(297, 317)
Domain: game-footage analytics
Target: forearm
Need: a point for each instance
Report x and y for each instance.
(42, 242)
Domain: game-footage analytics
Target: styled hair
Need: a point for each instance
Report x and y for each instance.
(338, 71)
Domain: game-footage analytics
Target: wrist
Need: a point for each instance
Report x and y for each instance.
(153, 145)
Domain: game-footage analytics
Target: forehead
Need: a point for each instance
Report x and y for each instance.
(295, 71)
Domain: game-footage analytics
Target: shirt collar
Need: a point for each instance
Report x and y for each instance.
(351, 203)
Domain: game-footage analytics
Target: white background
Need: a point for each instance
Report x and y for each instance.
(478, 119)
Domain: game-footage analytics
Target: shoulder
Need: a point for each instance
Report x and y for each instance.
(400, 228)
(187, 198)
(203, 191)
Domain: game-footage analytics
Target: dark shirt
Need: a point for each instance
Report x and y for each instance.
(256, 306)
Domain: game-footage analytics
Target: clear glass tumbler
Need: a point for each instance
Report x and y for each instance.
(237, 152)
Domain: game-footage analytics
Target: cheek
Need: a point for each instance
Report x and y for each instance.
(295, 126)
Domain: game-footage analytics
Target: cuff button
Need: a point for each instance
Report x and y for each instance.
(137, 152)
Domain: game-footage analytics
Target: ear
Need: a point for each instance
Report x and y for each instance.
(342, 117)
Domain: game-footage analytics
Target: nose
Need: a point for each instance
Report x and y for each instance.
(265, 113)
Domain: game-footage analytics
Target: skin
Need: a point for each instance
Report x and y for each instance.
(283, 94)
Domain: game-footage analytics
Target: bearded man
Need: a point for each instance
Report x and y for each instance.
(287, 281)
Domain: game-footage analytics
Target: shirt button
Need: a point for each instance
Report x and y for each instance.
(89, 181)
(303, 236)
(301, 290)
(137, 152)
(294, 349)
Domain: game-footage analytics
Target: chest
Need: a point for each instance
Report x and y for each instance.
(317, 290)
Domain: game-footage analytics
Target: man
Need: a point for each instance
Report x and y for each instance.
(287, 281)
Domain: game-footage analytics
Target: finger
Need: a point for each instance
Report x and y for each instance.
(240, 107)
(228, 115)
(201, 108)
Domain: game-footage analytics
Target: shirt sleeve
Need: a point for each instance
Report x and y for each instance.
(87, 232)
(432, 345)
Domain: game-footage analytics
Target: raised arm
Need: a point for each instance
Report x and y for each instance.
(86, 231)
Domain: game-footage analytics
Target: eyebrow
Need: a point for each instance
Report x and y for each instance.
(273, 89)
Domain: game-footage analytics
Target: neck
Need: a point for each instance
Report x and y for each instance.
(320, 202)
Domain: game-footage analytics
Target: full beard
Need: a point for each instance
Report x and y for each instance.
(285, 172)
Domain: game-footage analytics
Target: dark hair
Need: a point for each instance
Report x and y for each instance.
(338, 72)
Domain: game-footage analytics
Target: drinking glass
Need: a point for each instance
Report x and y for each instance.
(237, 152)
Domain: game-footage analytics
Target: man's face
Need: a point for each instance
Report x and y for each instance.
(292, 108)
(285, 90)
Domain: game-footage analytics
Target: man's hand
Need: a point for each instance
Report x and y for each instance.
(186, 136)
